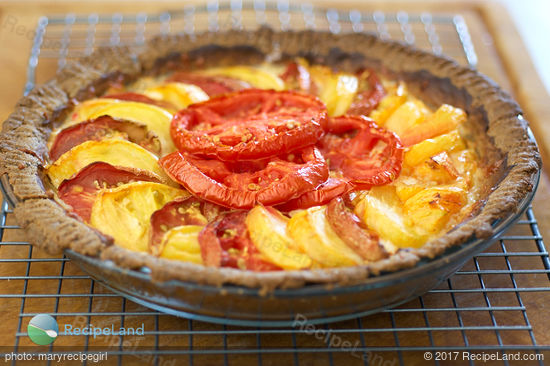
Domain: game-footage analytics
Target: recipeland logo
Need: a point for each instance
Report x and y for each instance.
(42, 329)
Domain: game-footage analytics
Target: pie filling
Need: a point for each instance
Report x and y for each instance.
(269, 167)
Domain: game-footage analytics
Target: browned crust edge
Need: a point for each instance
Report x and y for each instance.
(24, 134)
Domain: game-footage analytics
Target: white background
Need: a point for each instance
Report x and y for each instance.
(532, 18)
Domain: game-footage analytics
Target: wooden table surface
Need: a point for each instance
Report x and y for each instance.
(501, 53)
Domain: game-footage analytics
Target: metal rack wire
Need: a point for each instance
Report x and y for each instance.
(481, 308)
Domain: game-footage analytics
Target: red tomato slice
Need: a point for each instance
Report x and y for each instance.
(297, 77)
(80, 191)
(245, 104)
(370, 93)
(140, 98)
(323, 194)
(250, 124)
(267, 182)
(187, 211)
(99, 128)
(372, 157)
(352, 231)
(225, 243)
(211, 85)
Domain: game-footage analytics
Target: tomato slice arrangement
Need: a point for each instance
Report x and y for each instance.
(250, 124)
(231, 150)
(100, 128)
(80, 191)
(370, 94)
(297, 77)
(180, 212)
(371, 157)
(225, 242)
(293, 176)
(323, 194)
(350, 229)
(239, 185)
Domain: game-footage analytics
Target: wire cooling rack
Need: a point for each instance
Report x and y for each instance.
(480, 309)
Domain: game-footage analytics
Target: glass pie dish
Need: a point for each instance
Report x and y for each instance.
(231, 296)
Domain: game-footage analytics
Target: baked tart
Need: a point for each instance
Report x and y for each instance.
(266, 159)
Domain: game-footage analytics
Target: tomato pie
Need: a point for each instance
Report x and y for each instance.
(215, 159)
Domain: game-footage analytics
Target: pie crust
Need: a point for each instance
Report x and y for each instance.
(495, 123)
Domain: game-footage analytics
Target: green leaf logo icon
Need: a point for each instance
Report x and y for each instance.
(42, 329)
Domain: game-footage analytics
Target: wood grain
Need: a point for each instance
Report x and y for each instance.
(526, 84)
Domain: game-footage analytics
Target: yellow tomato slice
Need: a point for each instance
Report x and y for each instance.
(397, 95)
(431, 208)
(87, 108)
(406, 117)
(182, 243)
(437, 169)
(267, 231)
(445, 119)
(406, 187)
(430, 147)
(125, 212)
(314, 236)
(117, 152)
(155, 118)
(336, 90)
(179, 94)
(258, 77)
(382, 212)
